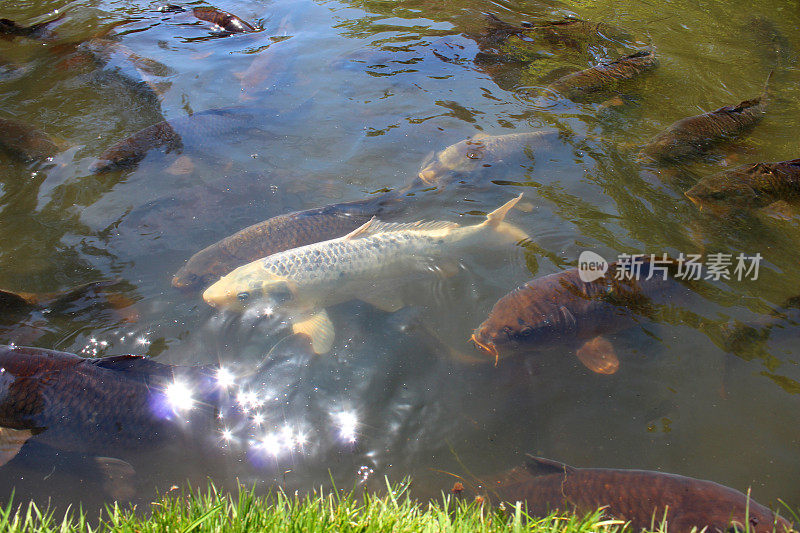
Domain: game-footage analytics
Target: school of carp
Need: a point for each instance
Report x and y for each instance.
(301, 263)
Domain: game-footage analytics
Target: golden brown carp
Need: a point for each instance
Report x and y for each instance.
(228, 22)
(643, 498)
(367, 264)
(277, 234)
(691, 137)
(561, 308)
(605, 76)
(25, 142)
(749, 186)
(568, 32)
(483, 151)
(92, 406)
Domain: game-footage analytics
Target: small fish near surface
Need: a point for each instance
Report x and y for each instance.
(605, 76)
(118, 405)
(561, 308)
(277, 234)
(10, 29)
(643, 498)
(227, 22)
(748, 186)
(25, 142)
(691, 137)
(485, 151)
(367, 264)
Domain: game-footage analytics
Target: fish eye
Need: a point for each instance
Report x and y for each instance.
(243, 296)
(474, 154)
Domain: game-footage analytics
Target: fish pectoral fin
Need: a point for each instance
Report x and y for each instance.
(781, 209)
(317, 327)
(598, 356)
(388, 301)
(11, 440)
(119, 477)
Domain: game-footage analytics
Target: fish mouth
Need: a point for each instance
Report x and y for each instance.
(428, 176)
(490, 348)
(696, 201)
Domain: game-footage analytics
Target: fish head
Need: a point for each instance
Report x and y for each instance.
(248, 286)
(715, 192)
(464, 156)
(201, 269)
(485, 338)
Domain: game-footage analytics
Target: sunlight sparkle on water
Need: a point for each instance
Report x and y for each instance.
(347, 422)
(224, 378)
(179, 396)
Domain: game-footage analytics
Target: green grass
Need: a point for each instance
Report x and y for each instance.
(395, 511)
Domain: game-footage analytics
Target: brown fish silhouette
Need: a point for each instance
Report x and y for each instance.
(605, 76)
(643, 498)
(692, 136)
(277, 234)
(25, 142)
(561, 308)
(228, 22)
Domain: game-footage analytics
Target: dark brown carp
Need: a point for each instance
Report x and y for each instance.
(692, 136)
(561, 308)
(97, 294)
(10, 29)
(277, 234)
(173, 135)
(605, 76)
(563, 33)
(641, 497)
(228, 22)
(24, 142)
(93, 406)
(749, 186)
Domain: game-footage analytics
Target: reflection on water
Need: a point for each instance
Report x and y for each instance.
(350, 99)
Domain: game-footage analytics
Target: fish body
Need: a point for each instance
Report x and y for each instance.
(25, 142)
(228, 22)
(371, 260)
(568, 32)
(171, 135)
(483, 150)
(605, 76)
(89, 405)
(10, 29)
(561, 308)
(692, 136)
(639, 496)
(278, 234)
(749, 186)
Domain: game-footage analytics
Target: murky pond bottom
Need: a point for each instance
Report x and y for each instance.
(341, 101)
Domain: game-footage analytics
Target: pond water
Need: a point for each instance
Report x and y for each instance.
(344, 100)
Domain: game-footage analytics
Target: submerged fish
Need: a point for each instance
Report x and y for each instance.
(643, 498)
(94, 406)
(692, 136)
(97, 294)
(561, 308)
(25, 142)
(277, 234)
(170, 136)
(10, 29)
(605, 76)
(483, 150)
(366, 264)
(749, 186)
(226, 21)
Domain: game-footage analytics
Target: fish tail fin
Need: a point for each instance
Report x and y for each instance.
(494, 221)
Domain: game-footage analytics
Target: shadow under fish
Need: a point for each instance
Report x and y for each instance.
(691, 137)
(644, 498)
(10, 29)
(561, 309)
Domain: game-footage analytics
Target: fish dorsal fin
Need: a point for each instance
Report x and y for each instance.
(374, 227)
(361, 230)
(539, 466)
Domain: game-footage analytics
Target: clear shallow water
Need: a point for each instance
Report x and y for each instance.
(353, 99)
